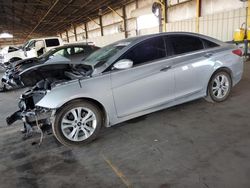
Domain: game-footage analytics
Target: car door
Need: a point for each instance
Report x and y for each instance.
(30, 51)
(188, 56)
(149, 83)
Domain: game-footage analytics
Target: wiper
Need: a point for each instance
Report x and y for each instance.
(100, 63)
(74, 69)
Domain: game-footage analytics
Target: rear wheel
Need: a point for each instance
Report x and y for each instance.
(219, 87)
(77, 123)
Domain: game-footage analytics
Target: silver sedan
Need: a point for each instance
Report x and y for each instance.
(140, 75)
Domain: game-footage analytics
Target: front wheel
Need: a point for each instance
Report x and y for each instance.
(77, 123)
(219, 87)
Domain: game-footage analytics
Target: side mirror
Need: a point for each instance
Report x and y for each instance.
(123, 64)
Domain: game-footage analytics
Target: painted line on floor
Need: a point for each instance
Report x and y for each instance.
(117, 172)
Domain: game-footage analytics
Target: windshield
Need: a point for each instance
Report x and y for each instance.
(105, 53)
(25, 44)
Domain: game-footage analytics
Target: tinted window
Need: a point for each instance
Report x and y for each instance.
(184, 44)
(148, 50)
(209, 44)
(52, 42)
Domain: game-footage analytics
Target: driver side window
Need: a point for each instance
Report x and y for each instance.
(146, 51)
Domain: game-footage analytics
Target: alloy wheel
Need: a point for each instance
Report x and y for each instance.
(78, 124)
(220, 86)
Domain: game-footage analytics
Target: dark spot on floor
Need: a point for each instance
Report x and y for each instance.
(24, 167)
(26, 182)
(19, 155)
(165, 185)
(240, 154)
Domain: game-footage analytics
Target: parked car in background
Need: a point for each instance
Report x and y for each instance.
(32, 48)
(28, 72)
(6, 50)
(130, 78)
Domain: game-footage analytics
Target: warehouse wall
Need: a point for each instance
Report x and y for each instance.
(219, 19)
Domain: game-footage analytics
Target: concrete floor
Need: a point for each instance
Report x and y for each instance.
(194, 145)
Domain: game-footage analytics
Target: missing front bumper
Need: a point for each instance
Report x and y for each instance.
(29, 117)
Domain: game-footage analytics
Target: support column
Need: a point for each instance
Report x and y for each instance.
(67, 35)
(75, 33)
(198, 14)
(124, 20)
(166, 14)
(164, 21)
(100, 21)
(86, 31)
(162, 15)
(248, 13)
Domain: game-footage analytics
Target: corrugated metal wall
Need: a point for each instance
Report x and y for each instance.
(219, 25)
(183, 25)
(219, 20)
(222, 25)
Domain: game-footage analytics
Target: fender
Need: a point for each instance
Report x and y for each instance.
(76, 89)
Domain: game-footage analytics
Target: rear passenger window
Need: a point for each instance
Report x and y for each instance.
(184, 44)
(149, 50)
(209, 44)
(52, 42)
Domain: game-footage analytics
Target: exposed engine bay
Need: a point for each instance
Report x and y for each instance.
(29, 72)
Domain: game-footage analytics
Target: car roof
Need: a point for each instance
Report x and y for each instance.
(143, 37)
(77, 44)
(74, 45)
(43, 38)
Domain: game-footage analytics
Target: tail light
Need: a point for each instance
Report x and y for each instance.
(237, 52)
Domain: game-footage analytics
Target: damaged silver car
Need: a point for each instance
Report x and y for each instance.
(130, 78)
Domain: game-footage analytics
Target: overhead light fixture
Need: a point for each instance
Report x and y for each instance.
(6, 36)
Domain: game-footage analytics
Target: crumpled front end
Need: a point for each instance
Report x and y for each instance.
(28, 113)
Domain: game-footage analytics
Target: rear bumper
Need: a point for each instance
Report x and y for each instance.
(238, 72)
(237, 78)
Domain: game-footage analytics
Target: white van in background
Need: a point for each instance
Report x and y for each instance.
(32, 48)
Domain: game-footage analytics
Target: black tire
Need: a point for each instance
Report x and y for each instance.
(56, 126)
(211, 97)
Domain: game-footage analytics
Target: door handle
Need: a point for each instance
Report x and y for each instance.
(208, 55)
(166, 68)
